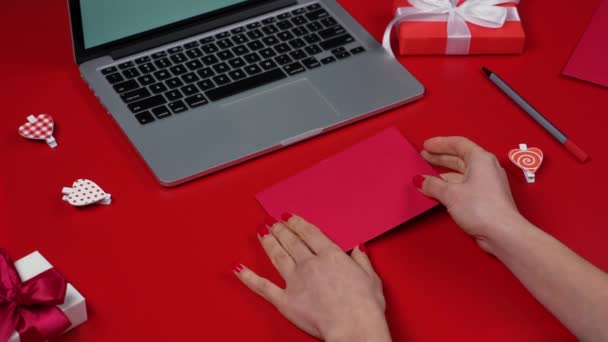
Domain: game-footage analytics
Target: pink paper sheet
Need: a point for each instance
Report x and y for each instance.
(589, 61)
(357, 194)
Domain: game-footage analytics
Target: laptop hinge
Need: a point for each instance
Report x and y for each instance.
(227, 19)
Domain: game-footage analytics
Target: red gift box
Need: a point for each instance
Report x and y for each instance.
(427, 34)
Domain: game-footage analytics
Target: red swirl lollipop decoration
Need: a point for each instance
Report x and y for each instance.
(527, 159)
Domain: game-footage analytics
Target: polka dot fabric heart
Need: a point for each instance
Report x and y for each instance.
(85, 192)
(39, 128)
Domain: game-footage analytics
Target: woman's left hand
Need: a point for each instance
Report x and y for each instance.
(328, 294)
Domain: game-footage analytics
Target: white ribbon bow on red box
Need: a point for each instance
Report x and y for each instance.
(480, 12)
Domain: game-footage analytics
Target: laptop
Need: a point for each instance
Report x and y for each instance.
(198, 86)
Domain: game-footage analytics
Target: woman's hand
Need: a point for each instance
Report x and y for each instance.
(328, 294)
(477, 195)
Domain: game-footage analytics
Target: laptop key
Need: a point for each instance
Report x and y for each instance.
(196, 101)
(270, 29)
(126, 65)
(175, 50)
(190, 78)
(163, 63)
(299, 11)
(146, 80)
(299, 20)
(294, 68)
(332, 32)
(161, 112)
(210, 48)
(194, 65)
(162, 75)
(147, 68)
(313, 7)
(207, 40)
(286, 35)
(283, 59)
(268, 53)
(115, 78)
(253, 25)
(226, 54)
(313, 49)
(173, 95)
(328, 60)
(284, 25)
(191, 45)
(311, 63)
(178, 107)
(240, 50)
(268, 64)
(225, 44)
(222, 35)
(314, 26)
(221, 79)
(298, 54)
(357, 50)
(312, 38)
(178, 70)
(190, 90)
(245, 84)
(158, 88)
(109, 70)
(145, 118)
(282, 48)
(297, 43)
(210, 60)
(206, 85)
(255, 45)
(147, 104)
(131, 73)
(284, 16)
(253, 69)
(194, 53)
(316, 15)
(221, 68)
(159, 55)
(174, 83)
(205, 73)
(252, 58)
(329, 22)
(236, 63)
(238, 30)
(255, 34)
(135, 95)
(299, 31)
(179, 58)
(240, 39)
(269, 21)
(337, 41)
(342, 55)
(270, 40)
(126, 86)
(237, 74)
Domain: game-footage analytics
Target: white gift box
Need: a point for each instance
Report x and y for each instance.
(74, 307)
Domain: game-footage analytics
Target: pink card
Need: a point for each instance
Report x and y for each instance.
(357, 194)
(588, 62)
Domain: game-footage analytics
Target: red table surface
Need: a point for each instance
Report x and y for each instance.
(156, 264)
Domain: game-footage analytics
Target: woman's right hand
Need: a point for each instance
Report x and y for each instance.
(477, 195)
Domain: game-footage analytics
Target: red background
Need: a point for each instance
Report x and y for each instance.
(155, 265)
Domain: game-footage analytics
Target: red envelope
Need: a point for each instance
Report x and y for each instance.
(588, 62)
(357, 194)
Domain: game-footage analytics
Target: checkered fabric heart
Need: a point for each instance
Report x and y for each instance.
(39, 128)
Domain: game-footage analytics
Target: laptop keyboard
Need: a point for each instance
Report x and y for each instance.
(173, 81)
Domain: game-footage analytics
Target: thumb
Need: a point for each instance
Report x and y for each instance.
(433, 187)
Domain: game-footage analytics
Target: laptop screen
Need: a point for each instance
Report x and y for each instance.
(104, 21)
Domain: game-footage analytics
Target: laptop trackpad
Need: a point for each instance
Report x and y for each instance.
(282, 112)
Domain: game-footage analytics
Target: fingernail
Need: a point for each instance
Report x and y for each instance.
(362, 248)
(270, 221)
(418, 180)
(263, 231)
(286, 216)
(237, 267)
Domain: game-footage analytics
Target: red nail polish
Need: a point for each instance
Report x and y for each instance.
(286, 216)
(418, 180)
(237, 267)
(270, 221)
(362, 248)
(263, 230)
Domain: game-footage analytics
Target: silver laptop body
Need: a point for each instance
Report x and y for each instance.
(193, 132)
